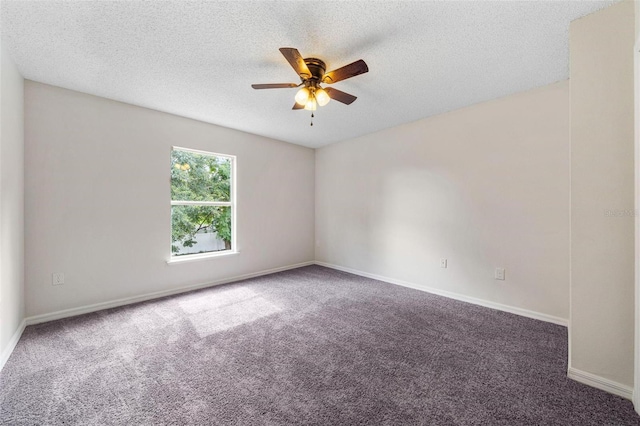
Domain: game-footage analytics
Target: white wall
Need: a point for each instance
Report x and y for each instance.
(11, 203)
(602, 179)
(484, 186)
(636, 390)
(97, 200)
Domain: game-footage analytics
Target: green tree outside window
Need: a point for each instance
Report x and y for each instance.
(201, 198)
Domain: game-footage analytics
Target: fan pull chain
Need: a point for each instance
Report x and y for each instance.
(312, 119)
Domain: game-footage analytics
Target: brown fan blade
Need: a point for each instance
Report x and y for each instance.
(297, 106)
(355, 68)
(340, 96)
(296, 60)
(274, 86)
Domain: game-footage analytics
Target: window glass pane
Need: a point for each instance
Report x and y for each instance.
(200, 229)
(199, 177)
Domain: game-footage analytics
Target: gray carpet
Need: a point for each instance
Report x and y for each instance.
(307, 346)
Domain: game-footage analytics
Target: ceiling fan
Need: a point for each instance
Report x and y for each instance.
(312, 73)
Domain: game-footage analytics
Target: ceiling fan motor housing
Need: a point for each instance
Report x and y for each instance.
(317, 68)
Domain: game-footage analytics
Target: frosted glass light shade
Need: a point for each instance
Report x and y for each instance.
(311, 104)
(302, 97)
(322, 97)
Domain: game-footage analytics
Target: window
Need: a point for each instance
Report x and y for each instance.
(202, 202)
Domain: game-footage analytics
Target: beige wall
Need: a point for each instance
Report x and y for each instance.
(97, 200)
(602, 193)
(636, 394)
(486, 186)
(637, 21)
(11, 202)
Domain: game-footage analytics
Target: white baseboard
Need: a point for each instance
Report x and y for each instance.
(600, 383)
(6, 353)
(37, 319)
(493, 305)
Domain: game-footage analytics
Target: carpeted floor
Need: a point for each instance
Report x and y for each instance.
(306, 346)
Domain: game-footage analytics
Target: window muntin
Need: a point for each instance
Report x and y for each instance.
(202, 202)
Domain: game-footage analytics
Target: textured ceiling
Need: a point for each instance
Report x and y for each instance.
(198, 59)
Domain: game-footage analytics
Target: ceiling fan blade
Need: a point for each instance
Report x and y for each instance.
(340, 96)
(296, 60)
(274, 86)
(297, 106)
(355, 68)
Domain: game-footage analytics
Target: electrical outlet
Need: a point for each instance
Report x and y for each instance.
(500, 274)
(443, 263)
(57, 278)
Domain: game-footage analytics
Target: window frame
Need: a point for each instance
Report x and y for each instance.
(232, 204)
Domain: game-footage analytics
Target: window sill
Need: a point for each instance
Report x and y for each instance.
(195, 257)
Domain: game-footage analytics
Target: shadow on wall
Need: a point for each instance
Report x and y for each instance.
(415, 217)
(425, 217)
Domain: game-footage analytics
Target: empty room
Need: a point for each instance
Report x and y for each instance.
(320, 213)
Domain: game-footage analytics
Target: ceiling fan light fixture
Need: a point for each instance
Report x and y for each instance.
(322, 96)
(312, 72)
(311, 105)
(302, 97)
